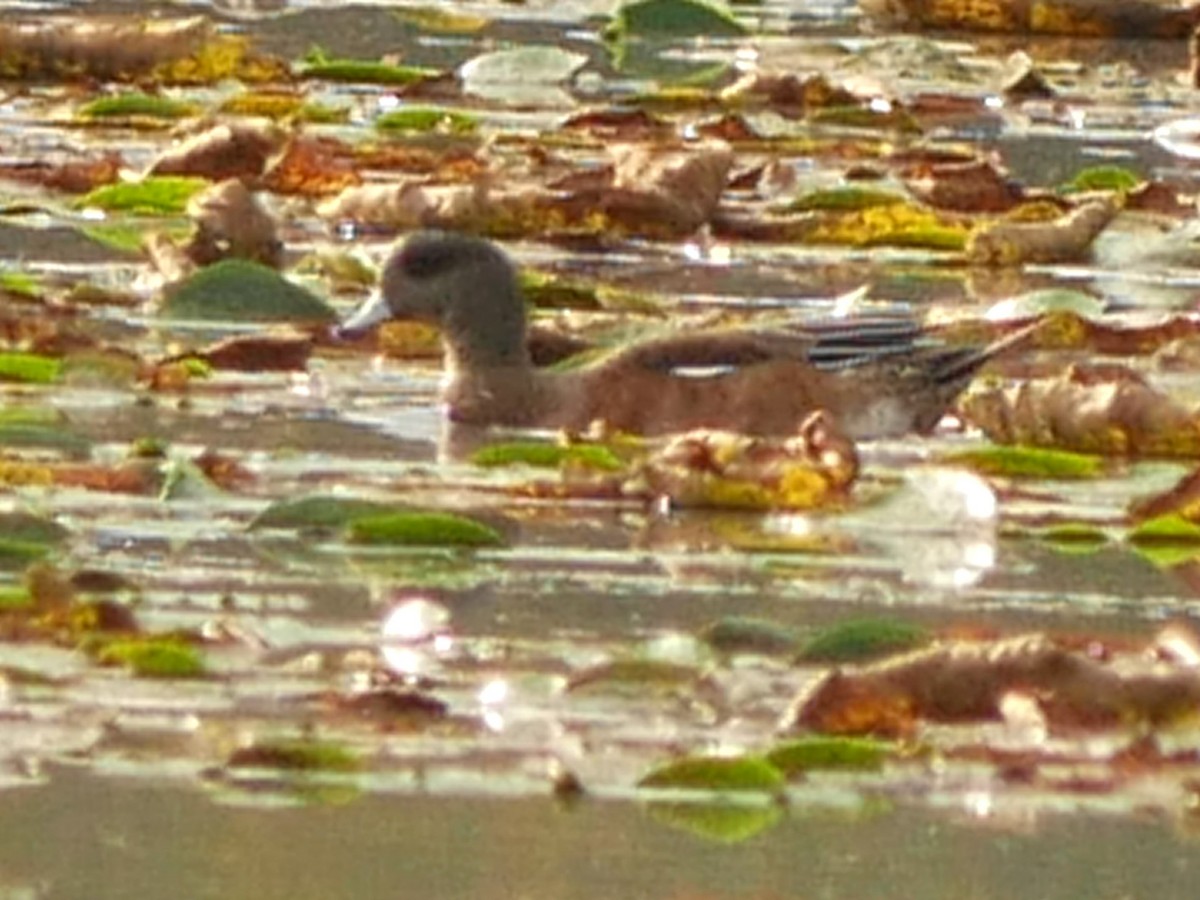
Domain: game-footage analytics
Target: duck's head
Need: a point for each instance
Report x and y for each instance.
(464, 285)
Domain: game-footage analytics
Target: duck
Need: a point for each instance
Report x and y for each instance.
(878, 377)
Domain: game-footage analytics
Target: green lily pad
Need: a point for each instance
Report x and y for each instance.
(820, 752)
(20, 284)
(360, 71)
(862, 640)
(319, 511)
(666, 19)
(153, 657)
(424, 119)
(423, 529)
(237, 290)
(1102, 178)
(1169, 529)
(1079, 536)
(165, 195)
(31, 368)
(547, 456)
(743, 634)
(530, 64)
(296, 754)
(16, 554)
(717, 773)
(1020, 461)
(137, 105)
(844, 199)
(15, 599)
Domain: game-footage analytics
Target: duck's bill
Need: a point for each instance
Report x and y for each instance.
(373, 312)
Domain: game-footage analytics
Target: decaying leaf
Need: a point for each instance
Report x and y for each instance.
(228, 150)
(1011, 242)
(411, 203)
(964, 681)
(671, 191)
(975, 185)
(96, 47)
(1082, 18)
(1183, 500)
(713, 468)
(1109, 410)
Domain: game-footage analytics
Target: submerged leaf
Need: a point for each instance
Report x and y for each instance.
(296, 754)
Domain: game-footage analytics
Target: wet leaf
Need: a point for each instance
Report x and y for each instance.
(743, 634)
(137, 105)
(1166, 529)
(1046, 302)
(1030, 462)
(47, 436)
(818, 752)
(364, 71)
(423, 529)
(318, 512)
(1102, 178)
(1013, 241)
(29, 368)
(296, 754)
(717, 773)
(529, 64)
(863, 639)
(548, 456)
(1107, 410)
(671, 19)
(727, 470)
(966, 681)
(425, 119)
(153, 657)
(236, 290)
(638, 674)
(150, 196)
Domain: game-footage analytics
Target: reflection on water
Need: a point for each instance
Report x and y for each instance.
(80, 836)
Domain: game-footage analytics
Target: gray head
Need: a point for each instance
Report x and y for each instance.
(464, 285)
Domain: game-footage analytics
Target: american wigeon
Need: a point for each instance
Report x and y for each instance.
(879, 377)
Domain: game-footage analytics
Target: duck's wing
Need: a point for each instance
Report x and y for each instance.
(712, 349)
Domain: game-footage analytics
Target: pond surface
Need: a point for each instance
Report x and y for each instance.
(119, 786)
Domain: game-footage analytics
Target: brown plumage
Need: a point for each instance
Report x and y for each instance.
(877, 377)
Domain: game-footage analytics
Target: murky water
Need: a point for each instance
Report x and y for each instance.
(117, 784)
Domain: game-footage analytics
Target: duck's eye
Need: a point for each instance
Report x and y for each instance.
(428, 260)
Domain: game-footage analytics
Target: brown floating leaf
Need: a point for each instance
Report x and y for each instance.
(975, 185)
(788, 94)
(312, 167)
(1108, 410)
(258, 353)
(96, 47)
(1012, 242)
(411, 204)
(234, 150)
(671, 192)
(73, 176)
(966, 681)
(716, 468)
(1182, 500)
(1082, 18)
